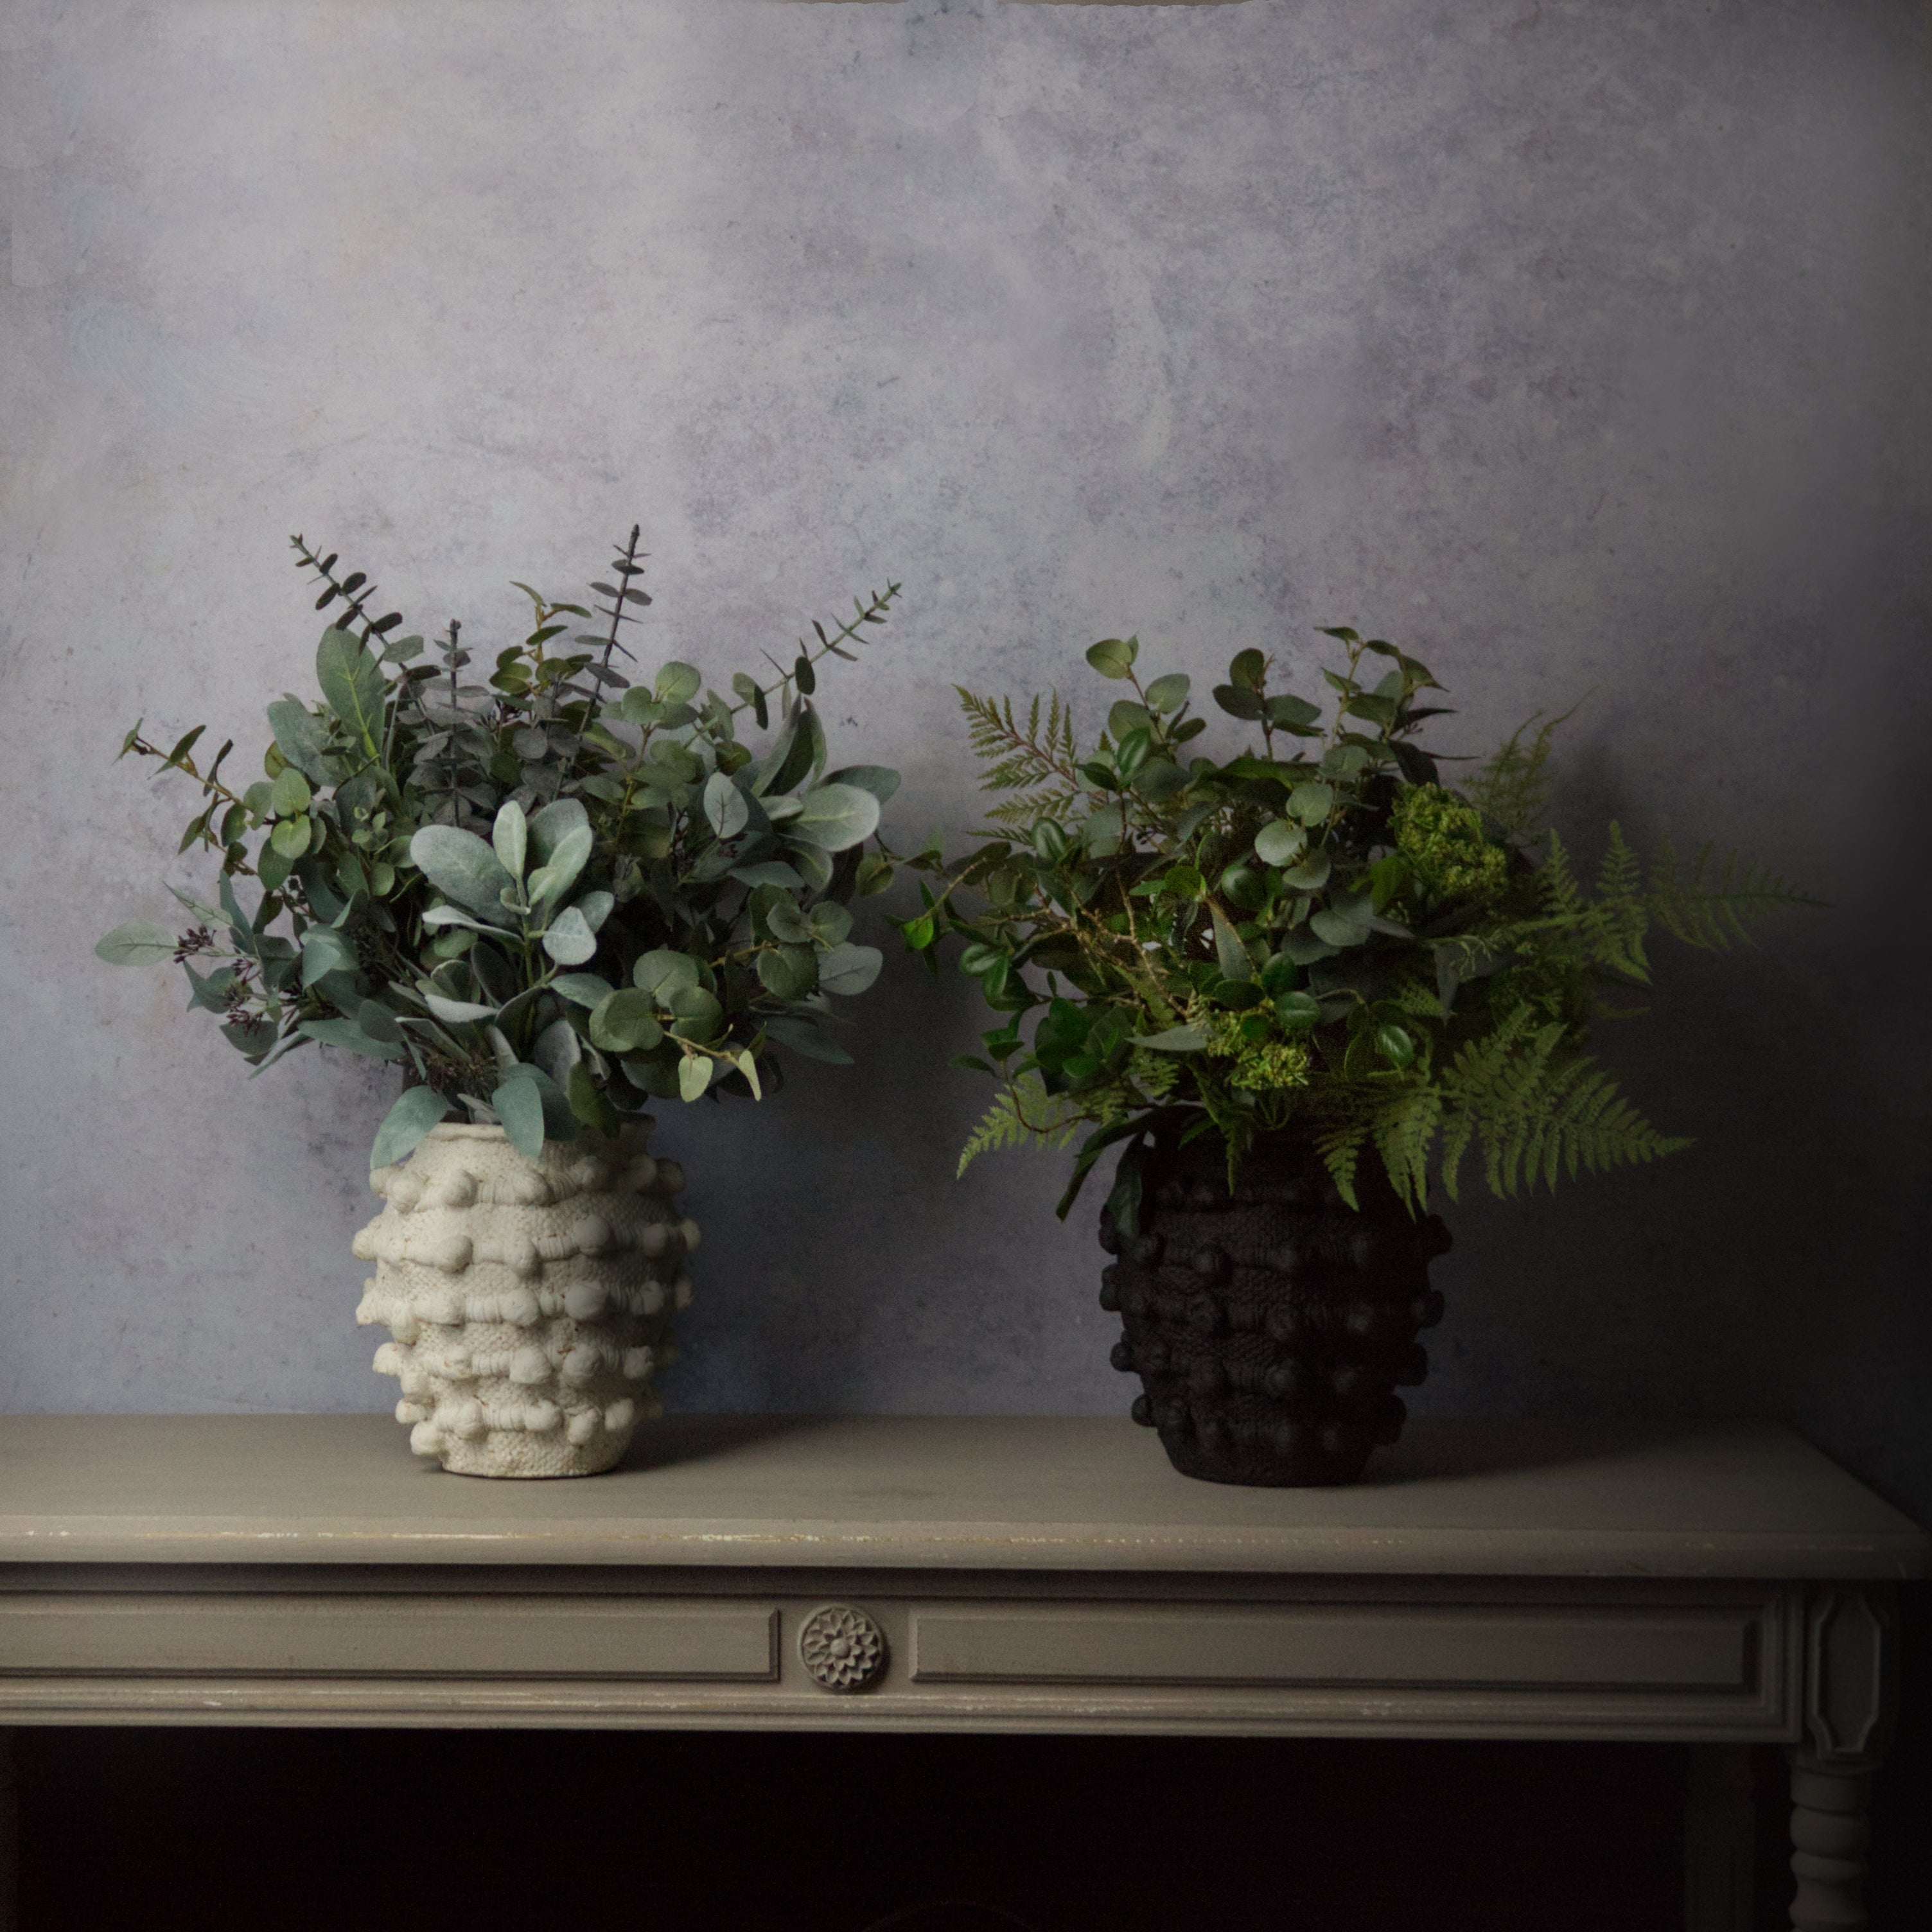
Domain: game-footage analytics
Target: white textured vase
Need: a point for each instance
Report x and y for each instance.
(530, 1301)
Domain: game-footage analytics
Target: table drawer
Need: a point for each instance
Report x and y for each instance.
(1437, 1647)
(432, 1637)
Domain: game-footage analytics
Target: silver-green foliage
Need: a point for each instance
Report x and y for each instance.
(548, 897)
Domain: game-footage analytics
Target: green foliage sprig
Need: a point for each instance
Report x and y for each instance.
(1317, 933)
(549, 896)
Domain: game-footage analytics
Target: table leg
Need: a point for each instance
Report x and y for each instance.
(1831, 1827)
(9, 1835)
(1719, 1835)
(1851, 1674)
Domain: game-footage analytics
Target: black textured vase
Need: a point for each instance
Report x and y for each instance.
(1270, 1326)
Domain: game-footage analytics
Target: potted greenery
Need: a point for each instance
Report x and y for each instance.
(1294, 986)
(549, 898)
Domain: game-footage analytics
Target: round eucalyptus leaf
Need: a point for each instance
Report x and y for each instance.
(569, 941)
(849, 969)
(789, 973)
(289, 797)
(624, 1022)
(834, 817)
(1311, 803)
(1113, 657)
(785, 922)
(581, 989)
(1279, 843)
(290, 837)
(831, 923)
(662, 973)
(695, 1013)
(678, 683)
(1169, 693)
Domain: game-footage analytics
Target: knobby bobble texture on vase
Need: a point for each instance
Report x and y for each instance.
(531, 1301)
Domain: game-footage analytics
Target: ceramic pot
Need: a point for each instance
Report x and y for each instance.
(530, 1301)
(1271, 1325)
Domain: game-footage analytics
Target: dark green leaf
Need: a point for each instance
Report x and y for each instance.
(1298, 1011)
(1113, 657)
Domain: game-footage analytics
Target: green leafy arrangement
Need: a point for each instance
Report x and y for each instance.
(550, 896)
(1316, 933)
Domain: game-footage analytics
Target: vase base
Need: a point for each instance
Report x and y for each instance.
(1312, 1468)
(518, 1456)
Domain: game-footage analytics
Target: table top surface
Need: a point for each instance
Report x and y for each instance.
(1556, 1498)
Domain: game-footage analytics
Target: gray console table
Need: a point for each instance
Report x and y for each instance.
(1724, 1585)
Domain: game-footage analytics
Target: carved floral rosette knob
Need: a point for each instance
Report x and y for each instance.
(842, 1647)
(531, 1302)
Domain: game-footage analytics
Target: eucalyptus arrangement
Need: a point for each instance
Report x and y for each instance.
(1296, 986)
(548, 896)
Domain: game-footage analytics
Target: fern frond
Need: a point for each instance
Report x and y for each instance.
(1015, 755)
(1564, 896)
(1404, 1130)
(1418, 1001)
(1613, 929)
(1022, 813)
(1708, 907)
(1341, 1151)
(1025, 1114)
(1540, 1111)
(1512, 791)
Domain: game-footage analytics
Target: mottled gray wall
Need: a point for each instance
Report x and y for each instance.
(1584, 348)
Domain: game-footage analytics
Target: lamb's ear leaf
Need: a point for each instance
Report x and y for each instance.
(509, 837)
(407, 1125)
(548, 826)
(461, 867)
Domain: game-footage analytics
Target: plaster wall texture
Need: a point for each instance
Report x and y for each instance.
(1581, 348)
